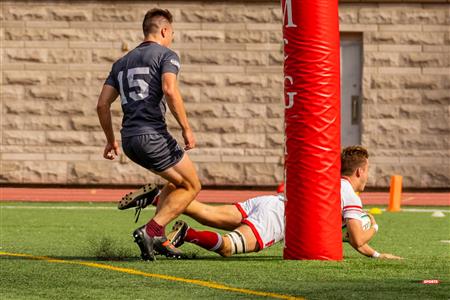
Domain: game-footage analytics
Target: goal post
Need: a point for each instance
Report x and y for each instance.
(312, 129)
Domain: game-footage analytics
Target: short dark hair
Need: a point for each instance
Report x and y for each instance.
(153, 18)
(352, 158)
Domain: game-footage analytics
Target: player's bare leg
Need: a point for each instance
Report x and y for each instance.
(173, 202)
(228, 246)
(225, 217)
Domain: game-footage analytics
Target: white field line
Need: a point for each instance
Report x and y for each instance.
(64, 207)
(424, 210)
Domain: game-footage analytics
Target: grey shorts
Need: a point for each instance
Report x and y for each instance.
(156, 151)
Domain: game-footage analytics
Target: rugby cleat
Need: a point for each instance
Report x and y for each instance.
(179, 230)
(140, 199)
(145, 243)
(150, 246)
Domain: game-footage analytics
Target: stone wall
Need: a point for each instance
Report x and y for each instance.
(55, 57)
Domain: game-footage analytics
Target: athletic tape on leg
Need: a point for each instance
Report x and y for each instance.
(238, 242)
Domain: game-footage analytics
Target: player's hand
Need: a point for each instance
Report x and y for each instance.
(111, 150)
(189, 139)
(389, 256)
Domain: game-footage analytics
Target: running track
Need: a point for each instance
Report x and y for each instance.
(211, 196)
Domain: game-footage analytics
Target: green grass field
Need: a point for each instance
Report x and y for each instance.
(96, 258)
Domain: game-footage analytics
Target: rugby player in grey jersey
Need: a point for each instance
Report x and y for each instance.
(146, 80)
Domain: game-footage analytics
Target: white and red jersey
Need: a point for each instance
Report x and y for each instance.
(351, 204)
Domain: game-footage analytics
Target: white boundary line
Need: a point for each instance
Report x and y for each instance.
(423, 210)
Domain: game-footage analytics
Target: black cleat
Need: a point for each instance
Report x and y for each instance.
(145, 243)
(140, 199)
(179, 230)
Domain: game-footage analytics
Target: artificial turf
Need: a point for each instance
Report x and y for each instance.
(98, 233)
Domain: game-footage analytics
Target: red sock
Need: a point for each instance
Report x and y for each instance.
(154, 229)
(206, 239)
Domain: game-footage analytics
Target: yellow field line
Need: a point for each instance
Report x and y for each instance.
(208, 284)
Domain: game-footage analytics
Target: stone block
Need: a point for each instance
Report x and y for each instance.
(132, 174)
(440, 96)
(202, 36)
(24, 78)
(407, 38)
(252, 37)
(24, 108)
(207, 139)
(247, 58)
(424, 142)
(45, 172)
(247, 81)
(264, 152)
(73, 138)
(18, 122)
(201, 80)
(440, 125)
(425, 60)
(221, 173)
(410, 173)
(379, 141)
(275, 140)
(348, 16)
(421, 112)
(386, 111)
(115, 14)
(381, 59)
(225, 94)
(62, 14)
(25, 55)
(85, 123)
(245, 110)
(400, 96)
(236, 14)
(214, 15)
(11, 172)
(242, 159)
(69, 56)
(263, 174)
(91, 172)
(276, 58)
(204, 110)
(275, 110)
(201, 57)
(22, 137)
(261, 125)
(25, 13)
(376, 16)
(70, 34)
(243, 140)
(222, 125)
(55, 78)
(48, 93)
(106, 55)
(422, 16)
(435, 176)
(263, 95)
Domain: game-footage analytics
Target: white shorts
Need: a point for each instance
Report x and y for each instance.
(265, 216)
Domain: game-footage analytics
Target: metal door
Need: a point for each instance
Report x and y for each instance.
(351, 72)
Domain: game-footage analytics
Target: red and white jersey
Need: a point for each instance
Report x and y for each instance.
(351, 204)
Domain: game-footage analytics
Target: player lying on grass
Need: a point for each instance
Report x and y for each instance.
(258, 223)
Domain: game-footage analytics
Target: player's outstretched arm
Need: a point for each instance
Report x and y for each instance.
(357, 236)
(106, 98)
(370, 252)
(176, 106)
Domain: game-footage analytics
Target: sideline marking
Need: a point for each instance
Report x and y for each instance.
(422, 210)
(208, 284)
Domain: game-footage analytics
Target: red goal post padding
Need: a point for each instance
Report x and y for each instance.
(312, 123)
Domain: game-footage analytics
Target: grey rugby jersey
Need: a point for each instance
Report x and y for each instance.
(137, 77)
